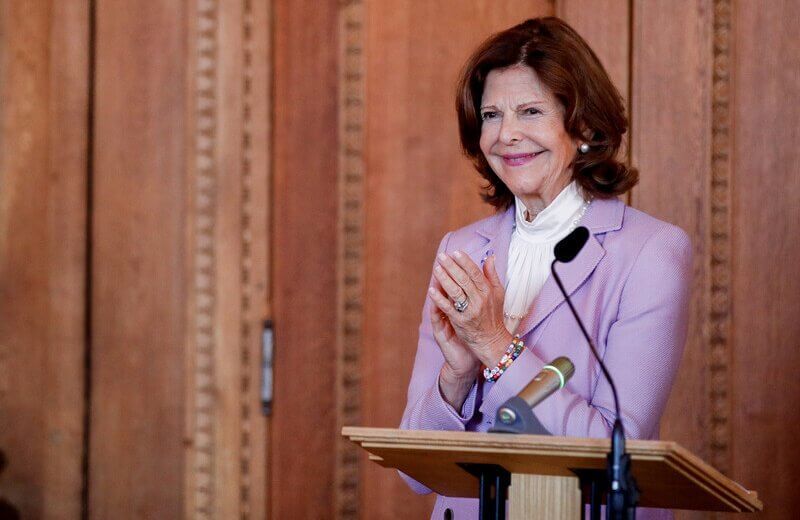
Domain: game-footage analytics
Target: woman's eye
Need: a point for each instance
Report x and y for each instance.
(531, 111)
(488, 115)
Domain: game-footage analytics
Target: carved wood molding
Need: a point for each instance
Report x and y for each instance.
(201, 469)
(226, 455)
(248, 333)
(719, 287)
(351, 245)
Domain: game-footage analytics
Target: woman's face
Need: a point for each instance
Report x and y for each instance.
(523, 135)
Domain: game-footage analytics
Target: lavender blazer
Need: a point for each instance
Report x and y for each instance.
(629, 284)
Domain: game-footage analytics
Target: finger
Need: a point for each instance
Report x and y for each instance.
(490, 270)
(442, 303)
(439, 323)
(473, 271)
(458, 275)
(449, 286)
(437, 316)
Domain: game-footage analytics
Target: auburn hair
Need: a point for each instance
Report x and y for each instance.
(565, 64)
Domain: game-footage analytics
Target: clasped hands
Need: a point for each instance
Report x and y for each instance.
(473, 337)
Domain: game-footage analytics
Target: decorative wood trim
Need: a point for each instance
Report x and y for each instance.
(201, 493)
(248, 333)
(351, 246)
(229, 62)
(720, 298)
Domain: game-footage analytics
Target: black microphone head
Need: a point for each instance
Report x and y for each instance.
(568, 247)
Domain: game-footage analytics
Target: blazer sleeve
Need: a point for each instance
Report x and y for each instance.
(426, 408)
(645, 343)
(642, 350)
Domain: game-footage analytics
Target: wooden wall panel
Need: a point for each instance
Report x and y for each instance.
(606, 26)
(765, 251)
(139, 284)
(227, 261)
(350, 257)
(179, 261)
(418, 187)
(44, 74)
(671, 145)
(719, 165)
(303, 436)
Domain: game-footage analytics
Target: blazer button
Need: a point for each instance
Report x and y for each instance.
(448, 514)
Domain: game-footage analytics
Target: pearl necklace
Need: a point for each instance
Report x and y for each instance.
(572, 227)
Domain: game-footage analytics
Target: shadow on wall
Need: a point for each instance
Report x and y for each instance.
(7, 509)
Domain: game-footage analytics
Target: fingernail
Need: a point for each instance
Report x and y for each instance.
(431, 290)
(442, 257)
(438, 269)
(458, 254)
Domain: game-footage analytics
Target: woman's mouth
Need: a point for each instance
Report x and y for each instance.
(519, 159)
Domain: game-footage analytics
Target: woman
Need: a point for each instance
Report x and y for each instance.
(542, 123)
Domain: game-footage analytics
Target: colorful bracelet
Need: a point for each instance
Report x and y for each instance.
(512, 352)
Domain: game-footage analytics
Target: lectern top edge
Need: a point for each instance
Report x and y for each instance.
(730, 496)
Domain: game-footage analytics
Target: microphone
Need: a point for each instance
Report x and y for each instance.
(552, 377)
(568, 247)
(516, 414)
(624, 494)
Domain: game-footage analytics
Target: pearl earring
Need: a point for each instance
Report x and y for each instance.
(584, 147)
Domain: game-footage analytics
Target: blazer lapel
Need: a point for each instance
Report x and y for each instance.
(572, 276)
(602, 216)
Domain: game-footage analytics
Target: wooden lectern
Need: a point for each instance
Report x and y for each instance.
(546, 473)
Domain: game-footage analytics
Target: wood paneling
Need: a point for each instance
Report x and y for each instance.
(180, 237)
(227, 265)
(139, 284)
(302, 431)
(608, 35)
(765, 249)
(43, 181)
(418, 187)
(671, 147)
(350, 258)
(721, 166)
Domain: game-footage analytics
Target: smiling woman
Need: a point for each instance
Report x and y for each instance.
(523, 136)
(542, 123)
(542, 77)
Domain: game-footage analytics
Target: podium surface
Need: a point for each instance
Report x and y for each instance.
(668, 475)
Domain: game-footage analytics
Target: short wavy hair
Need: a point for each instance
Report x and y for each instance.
(593, 109)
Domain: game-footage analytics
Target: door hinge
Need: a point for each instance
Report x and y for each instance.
(267, 344)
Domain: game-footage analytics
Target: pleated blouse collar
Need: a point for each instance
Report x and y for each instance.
(554, 221)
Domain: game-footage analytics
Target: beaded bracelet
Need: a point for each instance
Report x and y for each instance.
(512, 352)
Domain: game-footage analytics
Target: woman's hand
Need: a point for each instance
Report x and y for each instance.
(479, 330)
(460, 365)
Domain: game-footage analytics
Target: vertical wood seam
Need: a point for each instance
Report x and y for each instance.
(88, 215)
(350, 241)
(719, 260)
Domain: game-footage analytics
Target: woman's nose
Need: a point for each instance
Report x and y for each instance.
(510, 131)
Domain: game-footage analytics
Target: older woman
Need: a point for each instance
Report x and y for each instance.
(542, 123)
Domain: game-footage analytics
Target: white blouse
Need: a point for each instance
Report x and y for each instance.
(531, 249)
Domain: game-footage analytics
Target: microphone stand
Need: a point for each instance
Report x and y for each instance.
(623, 495)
